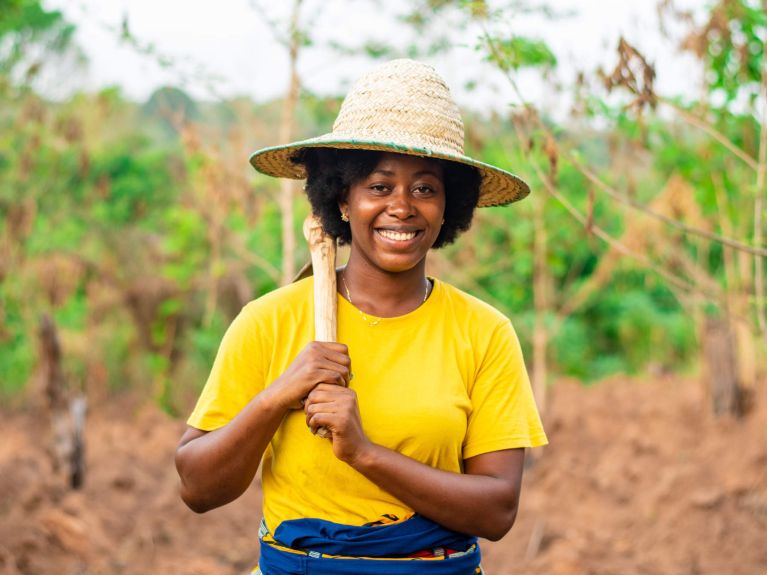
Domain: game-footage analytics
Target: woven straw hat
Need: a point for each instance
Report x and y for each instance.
(401, 106)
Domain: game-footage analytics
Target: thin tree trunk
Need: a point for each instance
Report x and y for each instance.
(288, 187)
(541, 282)
(737, 297)
(761, 305)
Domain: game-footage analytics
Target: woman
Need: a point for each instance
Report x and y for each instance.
(427, 400)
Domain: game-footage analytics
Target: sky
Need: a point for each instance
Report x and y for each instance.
(228, 48)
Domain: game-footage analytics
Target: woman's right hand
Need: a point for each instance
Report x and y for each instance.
(319, 362)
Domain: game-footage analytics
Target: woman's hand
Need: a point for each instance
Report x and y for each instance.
(335, 408)
(319, 362)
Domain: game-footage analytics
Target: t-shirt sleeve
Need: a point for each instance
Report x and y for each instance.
(237, 374)
(503, 413)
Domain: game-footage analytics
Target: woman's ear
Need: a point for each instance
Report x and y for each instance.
(343, 204)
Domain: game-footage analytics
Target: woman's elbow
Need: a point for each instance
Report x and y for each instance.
(501, 525)
(193, 501)
(193, 497)
(190, 496)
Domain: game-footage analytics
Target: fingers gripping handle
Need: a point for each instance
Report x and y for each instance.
(323, 252)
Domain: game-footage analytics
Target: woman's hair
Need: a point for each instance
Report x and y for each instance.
(330, 172)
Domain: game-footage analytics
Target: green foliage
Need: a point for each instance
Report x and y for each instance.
(165, 233)
(626, 329)
(17, 354)
(23, 24)
(184, 245)
(202, 342)
(135, 181)
(734, 42)
(517, 52)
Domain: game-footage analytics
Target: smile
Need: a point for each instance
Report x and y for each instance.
(397, 236)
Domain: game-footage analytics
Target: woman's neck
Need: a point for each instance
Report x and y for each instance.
(380, 293)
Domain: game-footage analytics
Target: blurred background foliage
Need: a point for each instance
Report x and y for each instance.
(142, 230)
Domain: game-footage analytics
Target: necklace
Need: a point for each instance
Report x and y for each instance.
(376, 321)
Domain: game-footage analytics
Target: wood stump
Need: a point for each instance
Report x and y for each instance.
(721, 367)
(66, 415)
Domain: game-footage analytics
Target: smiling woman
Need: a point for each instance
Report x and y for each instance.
(395, 215)
(427, 400)
(332, 171)
(391, 207)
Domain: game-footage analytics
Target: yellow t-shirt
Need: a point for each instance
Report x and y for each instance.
(441, 384)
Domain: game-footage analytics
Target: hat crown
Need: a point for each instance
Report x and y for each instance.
(401, 107)
(403, 102)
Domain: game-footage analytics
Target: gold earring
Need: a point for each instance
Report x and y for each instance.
(344, 217)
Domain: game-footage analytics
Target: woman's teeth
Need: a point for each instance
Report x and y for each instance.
(397, 236)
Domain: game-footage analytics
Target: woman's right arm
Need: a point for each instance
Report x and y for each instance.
(217, 467)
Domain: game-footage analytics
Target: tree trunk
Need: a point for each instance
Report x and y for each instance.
(737, 270)
(288, 187)
(721, 367)
(541, 283)
(67, 419)
(761, 174)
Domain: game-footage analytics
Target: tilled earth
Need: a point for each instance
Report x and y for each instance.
(638, 479)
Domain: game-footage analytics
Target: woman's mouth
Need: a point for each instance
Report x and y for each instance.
(397, 236)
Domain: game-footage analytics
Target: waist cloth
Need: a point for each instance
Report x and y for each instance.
(413, 546)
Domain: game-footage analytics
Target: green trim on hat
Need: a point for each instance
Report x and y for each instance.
(498, 187)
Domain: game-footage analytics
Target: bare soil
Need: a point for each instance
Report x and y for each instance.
(638, 479)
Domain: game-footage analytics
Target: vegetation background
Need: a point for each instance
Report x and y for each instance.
(131, 233)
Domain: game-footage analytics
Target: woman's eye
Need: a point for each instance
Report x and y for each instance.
(380, 188)
(424, 190)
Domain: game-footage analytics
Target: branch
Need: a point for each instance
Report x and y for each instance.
(729, 242)
(616, 195)
(711, 131)
(252, 258)
(582, 219)
(274, 27)
(186, 74)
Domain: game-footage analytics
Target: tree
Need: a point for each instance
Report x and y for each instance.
(30, 38)
(171, 107)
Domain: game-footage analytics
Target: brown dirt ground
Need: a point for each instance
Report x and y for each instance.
(637, 480)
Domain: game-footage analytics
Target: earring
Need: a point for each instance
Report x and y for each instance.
(443, 221)
(344, 217)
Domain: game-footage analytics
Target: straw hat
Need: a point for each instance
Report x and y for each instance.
(401, 106)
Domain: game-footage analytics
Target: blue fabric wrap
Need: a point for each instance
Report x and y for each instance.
(390, 540)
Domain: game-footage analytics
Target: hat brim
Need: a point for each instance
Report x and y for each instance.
(497, 188)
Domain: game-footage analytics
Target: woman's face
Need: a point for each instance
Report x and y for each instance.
(396, 212)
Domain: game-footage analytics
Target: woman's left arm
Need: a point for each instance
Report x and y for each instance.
(482, 501)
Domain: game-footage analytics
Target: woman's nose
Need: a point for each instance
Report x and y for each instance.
(400, 204)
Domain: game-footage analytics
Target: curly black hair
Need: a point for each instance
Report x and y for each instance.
(330, 172)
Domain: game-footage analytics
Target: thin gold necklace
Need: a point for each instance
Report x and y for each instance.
(367, 320)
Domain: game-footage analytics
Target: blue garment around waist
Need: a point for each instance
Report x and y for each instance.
(316, 537)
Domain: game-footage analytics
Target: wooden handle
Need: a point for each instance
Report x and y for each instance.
(323, 251)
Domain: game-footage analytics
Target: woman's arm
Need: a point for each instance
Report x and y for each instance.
(482, 501)
(217, 467)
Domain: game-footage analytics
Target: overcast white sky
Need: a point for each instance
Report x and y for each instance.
(230, 46)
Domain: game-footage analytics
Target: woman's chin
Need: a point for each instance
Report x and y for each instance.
(395, 265)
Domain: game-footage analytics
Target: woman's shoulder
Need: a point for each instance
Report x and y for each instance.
(466, 305)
